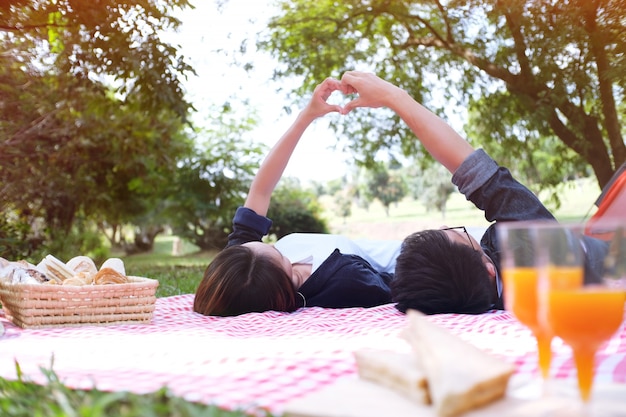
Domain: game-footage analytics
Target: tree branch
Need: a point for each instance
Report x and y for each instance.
(512, 18)
(444, 16)
(21, 28)
(30, 126)
(605, 84)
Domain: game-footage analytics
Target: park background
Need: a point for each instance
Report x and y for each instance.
(126, 126)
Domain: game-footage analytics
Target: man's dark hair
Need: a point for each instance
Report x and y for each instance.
(435, 275)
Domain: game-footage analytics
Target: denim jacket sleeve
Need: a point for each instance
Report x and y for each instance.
(493, 189)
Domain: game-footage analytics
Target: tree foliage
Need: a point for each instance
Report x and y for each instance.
(116, 39)
(430, 185)
(383, 184)
(210, 185)
(344, 193)
(535, 74)
(91, 110)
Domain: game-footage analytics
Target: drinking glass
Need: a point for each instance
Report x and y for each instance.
(520, 277)
(583, 310)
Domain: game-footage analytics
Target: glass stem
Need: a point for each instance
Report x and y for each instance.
(584, 358)
(544, 349)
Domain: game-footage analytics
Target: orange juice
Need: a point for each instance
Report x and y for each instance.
(564, 277)
(520, 293)
(585, 318)
(520, 287)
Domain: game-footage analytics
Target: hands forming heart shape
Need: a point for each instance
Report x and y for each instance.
(371, 92)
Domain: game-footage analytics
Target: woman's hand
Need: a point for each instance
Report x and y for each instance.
(318, 106)
(275, 162)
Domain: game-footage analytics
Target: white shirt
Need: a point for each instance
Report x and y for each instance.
(314, 248)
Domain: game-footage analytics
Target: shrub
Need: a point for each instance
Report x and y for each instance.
(294, 209)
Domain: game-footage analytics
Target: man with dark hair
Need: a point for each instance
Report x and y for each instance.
(446, 270)
(435, 275)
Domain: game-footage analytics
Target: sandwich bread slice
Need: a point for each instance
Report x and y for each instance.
(395, 370)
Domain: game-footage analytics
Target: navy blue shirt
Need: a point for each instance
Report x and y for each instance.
(341, 281)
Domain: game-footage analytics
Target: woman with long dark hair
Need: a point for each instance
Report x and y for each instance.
(300, 269)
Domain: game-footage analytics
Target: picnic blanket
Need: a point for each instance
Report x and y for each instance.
(258, 361)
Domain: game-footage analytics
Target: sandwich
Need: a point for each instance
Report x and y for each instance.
(460, 376)
(55, 269)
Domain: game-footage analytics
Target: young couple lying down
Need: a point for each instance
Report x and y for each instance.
(441, 270)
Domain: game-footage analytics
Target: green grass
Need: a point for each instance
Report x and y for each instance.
(181, 274)
(21, 398)
(177, 275)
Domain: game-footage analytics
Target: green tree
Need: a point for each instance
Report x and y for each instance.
(430, 185)
(344, 192)
(387, 186)
(90, 111)
(210, 185)
(16, 238)
(343, 202)
(92, 154)
(107, 39)
(535, 74)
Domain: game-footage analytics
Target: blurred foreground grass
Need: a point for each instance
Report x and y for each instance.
(21, 398)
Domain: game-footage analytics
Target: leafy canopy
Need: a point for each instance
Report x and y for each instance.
(534, 74)
(91, 111)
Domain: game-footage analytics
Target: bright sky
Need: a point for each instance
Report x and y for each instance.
(203, 33)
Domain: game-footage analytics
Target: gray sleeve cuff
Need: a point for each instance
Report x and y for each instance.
(474, 172)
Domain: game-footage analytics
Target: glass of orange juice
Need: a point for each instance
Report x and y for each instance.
(585, 308)
(520, 276)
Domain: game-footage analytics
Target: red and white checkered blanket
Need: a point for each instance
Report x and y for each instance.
(258, 361)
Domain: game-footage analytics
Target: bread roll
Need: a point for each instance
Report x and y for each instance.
(86, 277)
(109, 276)
(82, 263)
(116, 264)
(74, 281)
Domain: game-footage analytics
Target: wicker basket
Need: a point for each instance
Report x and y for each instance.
(37, 305)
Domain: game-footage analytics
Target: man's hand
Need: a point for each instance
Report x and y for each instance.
(372, 91)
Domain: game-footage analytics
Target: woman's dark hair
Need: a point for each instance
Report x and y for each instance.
(435, 275)
(239, 281)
